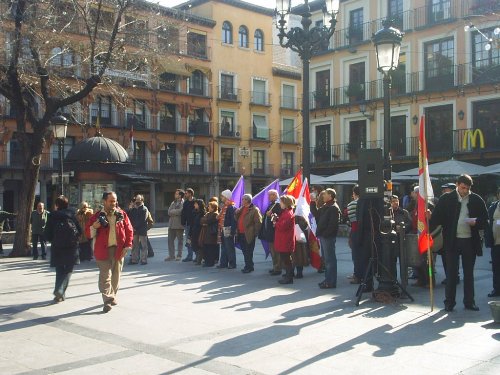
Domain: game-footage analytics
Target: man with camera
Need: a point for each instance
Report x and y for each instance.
(113, 235)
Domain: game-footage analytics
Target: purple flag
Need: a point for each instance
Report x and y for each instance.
(261, 200)
(238, 192)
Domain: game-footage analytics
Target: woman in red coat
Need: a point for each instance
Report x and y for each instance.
(284, 236)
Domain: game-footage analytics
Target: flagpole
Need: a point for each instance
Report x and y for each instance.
(429, 256)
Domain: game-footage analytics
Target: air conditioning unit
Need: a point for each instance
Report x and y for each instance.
(286, 172)
(232, 169)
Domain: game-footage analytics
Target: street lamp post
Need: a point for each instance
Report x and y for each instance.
(387, 43)
(59, 126)
(306, 41)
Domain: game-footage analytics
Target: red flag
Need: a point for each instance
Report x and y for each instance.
(303, 209)
(425, 192)
(295, 186)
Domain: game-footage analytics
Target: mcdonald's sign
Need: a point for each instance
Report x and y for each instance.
(470, 139)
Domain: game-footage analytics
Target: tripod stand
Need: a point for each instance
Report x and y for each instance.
(390, 286)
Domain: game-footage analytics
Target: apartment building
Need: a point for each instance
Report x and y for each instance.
(199, 102)
(255, 108)
(449, 71)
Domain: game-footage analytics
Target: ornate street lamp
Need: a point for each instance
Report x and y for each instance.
(59, 125)
(306, 42)
(387, 43)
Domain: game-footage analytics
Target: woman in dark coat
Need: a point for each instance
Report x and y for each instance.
(208, 235)
(195, 229)
(284, 237)
(63, 258)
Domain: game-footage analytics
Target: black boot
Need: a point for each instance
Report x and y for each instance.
(288, 278)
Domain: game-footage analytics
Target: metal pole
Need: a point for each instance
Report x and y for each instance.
(61, 155)
(306, 149)
(387, 127)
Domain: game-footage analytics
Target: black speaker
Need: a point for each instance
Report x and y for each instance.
(371, 173)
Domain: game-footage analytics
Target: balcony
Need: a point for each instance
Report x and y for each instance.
(260, 133)
(260, 98)
(415, 19)
(227, 130)
(263, 170)
(228, 168)
(168, 125)
(199, 128)
(204, 90)
(447, 78)
(228, 94)
(199, 51)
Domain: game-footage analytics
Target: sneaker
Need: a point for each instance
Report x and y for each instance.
(352, 276)
(178, 258)
(187, 259)
(143, 263)
(106, 309)
(168, 259)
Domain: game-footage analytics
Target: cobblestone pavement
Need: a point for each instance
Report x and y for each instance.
(179, 318)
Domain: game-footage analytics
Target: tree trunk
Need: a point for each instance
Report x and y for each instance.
(22, 245)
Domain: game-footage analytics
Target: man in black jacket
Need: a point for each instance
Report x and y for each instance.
(462, 214)
(267, 229)
(492, 240)
(138, 217)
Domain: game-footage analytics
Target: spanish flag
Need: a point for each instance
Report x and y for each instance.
(295, 186)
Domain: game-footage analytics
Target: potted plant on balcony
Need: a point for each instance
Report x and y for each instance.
(355, 92)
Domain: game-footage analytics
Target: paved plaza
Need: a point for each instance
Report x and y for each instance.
(179, 318)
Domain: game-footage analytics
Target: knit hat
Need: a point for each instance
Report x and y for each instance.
(227, 194)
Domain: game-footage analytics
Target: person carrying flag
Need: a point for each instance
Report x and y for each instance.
(462, 214)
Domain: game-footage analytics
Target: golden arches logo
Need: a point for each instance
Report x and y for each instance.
(470, 139)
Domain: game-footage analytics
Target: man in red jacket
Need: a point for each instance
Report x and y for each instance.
(113, 235)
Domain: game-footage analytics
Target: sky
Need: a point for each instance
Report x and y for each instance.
(263, 3)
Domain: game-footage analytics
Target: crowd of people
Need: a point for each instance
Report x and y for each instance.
(211, 232)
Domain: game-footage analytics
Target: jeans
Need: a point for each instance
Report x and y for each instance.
(328, 246)
(228, 252)
(63, 274)
(189, 247)
(35, 238)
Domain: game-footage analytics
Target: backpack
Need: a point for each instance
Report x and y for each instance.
(66, 234)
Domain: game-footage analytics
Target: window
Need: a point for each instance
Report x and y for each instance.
(168, 81)
(288, 135)
(260, 129)
(227, 124)
(69, 142)
(139, 154)
(485, 63)
(227, 160)
(439, 130)
(168, 121)
(486, 117)
(259, 92)
(196, 83)
(356, 89)
(322, 148)
(168, 159)
(439, 64)
(168, 39)
(395, 12)
(136, 31)
(399, 76)
(61, 58)
(439, 10)
(243, 37)
(259, 162)
(398, 135)
(356, 26)
(357, 138)
(197, 44)
(288, 99)
(136, 116)
(227, 87)
(102, 109)
(258, 40)
(288, 162)
(322, 94)
(196, 158)
(227, 33)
